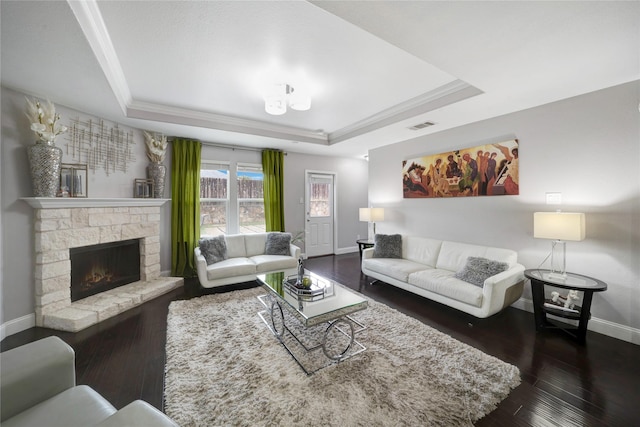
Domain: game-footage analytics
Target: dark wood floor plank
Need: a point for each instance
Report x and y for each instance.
(563, 383)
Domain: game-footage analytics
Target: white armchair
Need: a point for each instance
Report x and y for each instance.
(38, 388)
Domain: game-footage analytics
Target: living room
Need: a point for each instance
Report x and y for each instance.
(583, 146)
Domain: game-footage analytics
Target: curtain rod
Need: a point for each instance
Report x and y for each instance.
(231, 147)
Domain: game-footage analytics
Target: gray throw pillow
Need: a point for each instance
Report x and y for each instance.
(387, 246)
(213, 249)
(278, 244)
(478, 269)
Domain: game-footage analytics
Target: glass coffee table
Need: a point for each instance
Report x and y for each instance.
(309, 320)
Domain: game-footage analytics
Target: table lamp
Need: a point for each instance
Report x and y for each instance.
(559, 227)
(372, 215)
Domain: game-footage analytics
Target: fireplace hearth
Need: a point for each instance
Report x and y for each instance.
(99, 268)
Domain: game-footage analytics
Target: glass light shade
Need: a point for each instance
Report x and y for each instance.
(275, 102)
(275, 105)
(299, 100)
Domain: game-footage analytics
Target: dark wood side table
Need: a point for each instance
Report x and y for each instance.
(541, 307)
(364, 244)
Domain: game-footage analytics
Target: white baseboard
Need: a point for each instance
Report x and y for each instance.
(604, 327)
(17, 325)
(524, 304)
(342, 251)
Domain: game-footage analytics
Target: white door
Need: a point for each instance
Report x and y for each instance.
(319, 211)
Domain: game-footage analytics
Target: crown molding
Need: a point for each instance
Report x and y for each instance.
(183, 116)
(90, 19)
(442, 96)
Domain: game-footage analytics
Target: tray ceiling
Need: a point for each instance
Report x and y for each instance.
(195, 69)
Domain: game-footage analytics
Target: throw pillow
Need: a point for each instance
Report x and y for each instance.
(387, 246)
(278, 244)
(213, 249)
(478, 269)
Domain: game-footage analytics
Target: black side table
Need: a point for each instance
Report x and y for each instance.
(541, 307)
(364, 244)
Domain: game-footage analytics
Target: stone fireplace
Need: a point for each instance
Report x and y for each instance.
(65, 224)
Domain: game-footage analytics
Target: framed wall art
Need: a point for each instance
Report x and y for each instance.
(484, 170)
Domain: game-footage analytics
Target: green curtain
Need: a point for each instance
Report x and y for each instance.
(273, 171)
(185, 206)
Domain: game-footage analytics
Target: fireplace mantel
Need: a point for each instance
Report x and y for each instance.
(84, 202)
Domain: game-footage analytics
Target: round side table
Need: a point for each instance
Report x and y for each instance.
(364, 244)
(541, 307)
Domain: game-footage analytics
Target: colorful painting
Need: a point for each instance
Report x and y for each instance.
(485, 170)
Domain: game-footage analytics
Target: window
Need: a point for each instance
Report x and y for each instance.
(231, 199)
(250, 199)
(214, 198)
(320, 203)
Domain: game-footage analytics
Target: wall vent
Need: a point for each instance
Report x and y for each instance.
(422, 125)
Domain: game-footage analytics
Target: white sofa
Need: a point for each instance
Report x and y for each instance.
(246, 258)
(428, 268)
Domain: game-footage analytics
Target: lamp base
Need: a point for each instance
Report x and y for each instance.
(558, 260)
(371, 235)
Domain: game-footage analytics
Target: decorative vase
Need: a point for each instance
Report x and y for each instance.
(156, 172)
(44, 160)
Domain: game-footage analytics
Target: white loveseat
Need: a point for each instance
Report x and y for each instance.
(428, 267)
(246, 257)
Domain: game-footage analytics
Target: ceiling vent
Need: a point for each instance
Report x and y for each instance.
(422, 125)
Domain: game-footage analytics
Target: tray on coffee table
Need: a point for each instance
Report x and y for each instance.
(318, 289)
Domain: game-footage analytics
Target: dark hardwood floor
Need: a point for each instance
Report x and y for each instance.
(563, 383)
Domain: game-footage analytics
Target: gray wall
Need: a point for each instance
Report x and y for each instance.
(17, 219)
(588, 149)
(351, 194)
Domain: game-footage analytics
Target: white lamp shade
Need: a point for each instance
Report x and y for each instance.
(372, 214)
(559, 225)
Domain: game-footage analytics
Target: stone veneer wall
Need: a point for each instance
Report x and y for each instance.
(59, 229)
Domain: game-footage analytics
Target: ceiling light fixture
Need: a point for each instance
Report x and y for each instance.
(280, 95)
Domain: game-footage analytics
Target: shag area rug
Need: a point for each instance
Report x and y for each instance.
(224, 367)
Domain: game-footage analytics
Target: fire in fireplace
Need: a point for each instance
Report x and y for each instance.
(98, 268)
